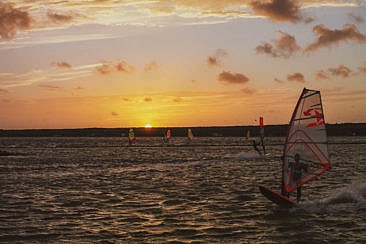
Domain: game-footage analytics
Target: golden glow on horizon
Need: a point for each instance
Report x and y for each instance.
(148, 126)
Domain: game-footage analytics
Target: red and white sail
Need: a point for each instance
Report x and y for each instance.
(307, 138)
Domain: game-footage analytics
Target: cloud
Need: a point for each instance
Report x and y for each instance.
(115, 66)
(328, 37)
(152, 66)
(229, 78)
(358, 19)
(296, 77)
(113, 113)
(284, 47)
(58, 18)
(79, 88)
(125, 99)
(341, 70)
(50, 87)
(13, 20)
(278, 10)
(148, 99)
(215, 60)
(248, 91)
(178, 100)
(321, 75)
(62, 64)
(3, 91)
(278, 80)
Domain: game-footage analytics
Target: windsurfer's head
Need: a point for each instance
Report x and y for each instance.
(297, 157)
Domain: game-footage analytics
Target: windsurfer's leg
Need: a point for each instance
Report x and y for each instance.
(298, 197)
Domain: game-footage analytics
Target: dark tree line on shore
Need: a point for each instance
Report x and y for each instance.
(346, 129)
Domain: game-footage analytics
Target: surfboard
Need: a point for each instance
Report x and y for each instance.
(277, 198)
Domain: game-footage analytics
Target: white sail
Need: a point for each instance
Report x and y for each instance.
(190, 135)
(306, 140)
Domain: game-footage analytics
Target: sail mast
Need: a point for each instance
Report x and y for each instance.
(283, 191)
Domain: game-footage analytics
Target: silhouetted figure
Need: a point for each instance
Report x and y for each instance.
(296, 171)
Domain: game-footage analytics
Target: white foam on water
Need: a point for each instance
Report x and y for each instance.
(342, 198)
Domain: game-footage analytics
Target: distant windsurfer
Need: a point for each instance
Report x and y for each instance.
(190, 135)
(131, 137)
(255, 145)
(166, 136)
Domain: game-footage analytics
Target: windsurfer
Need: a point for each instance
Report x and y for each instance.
(131, 137)
(255, 145)
(296, 171)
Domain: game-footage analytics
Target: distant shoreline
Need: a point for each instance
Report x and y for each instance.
(344, 129)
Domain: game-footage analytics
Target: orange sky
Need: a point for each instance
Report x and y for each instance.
(73, 64)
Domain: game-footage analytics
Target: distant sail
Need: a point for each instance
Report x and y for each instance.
(166, 136)
(307, 140)
(190, 135)
(247, 135)
(131, 136)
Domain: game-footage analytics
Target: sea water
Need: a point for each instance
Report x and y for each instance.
(84, 190)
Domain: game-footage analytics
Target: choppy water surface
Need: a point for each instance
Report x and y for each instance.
(99, 189)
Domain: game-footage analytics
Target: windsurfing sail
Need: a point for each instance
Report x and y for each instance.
(166, 136)
(131, 136)
(306, 143)
(190, 135)
(247, 135)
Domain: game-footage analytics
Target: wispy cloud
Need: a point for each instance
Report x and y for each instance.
(151, 66)
(284, 47)
(228, 78)
(59, 18)
(148, 99)
(36, 15)
(115, 66)
(177, 99)
(296, 77)
(248, 91)
(215, 60)
(357, 18)
(62, 64)
(340, 71)
(278, 80)
(126, 99)
(328, 37)
(114, 114)
(50, 87)
(13, 19)
(321, 75)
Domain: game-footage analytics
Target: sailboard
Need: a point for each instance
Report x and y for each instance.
(131, 136)
(306, 144)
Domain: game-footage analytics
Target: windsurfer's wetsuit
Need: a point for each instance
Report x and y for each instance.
(296, 170)
(255, 144)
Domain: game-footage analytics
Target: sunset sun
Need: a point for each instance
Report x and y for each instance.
(147, 126)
